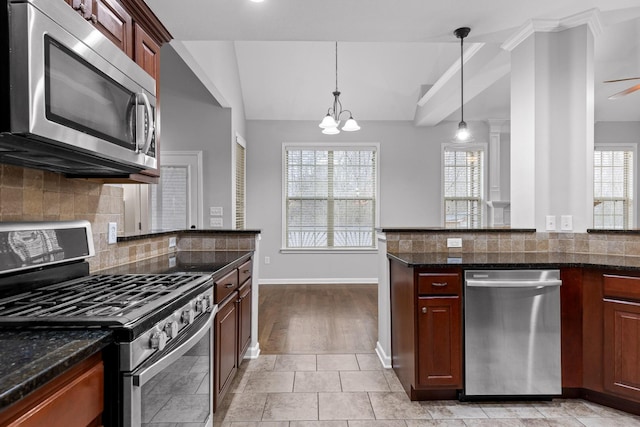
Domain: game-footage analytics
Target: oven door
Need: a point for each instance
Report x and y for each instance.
(175, 385)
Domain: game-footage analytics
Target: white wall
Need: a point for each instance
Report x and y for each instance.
(193, 120)
(410, 188)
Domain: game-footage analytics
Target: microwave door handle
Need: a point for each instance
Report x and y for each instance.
(151, 124)
(141, 377)
(132, 112)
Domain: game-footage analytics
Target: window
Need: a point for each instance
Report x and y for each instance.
(613, 188)
(169, 199)
(240, 183)
(463, 185)
(330, 196)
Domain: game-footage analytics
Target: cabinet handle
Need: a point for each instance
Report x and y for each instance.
(229, 285)
(440, 285)
(93, 18)
(245, 271)
(424, 309)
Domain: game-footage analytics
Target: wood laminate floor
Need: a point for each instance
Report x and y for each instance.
(316, 319)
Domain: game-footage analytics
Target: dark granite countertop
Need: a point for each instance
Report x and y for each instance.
(454, 230)
(215, 263)
(30, 358)
(516, 260)
(159, 233)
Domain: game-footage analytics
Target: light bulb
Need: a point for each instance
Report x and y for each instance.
(351, 125)
(331, 131)
(328, 122)
(463, 133)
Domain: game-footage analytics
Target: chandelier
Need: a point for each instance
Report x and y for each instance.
(331, 121)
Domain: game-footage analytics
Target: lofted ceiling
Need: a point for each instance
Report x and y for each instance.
(391, 52)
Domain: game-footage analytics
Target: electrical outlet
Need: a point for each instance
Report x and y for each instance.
(566, 222)
(215, 222)
(172, 242)
(113, 233)
(454, 242)
(551, 223)
(215, 210)
(267, 260)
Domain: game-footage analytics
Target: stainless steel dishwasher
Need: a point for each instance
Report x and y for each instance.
(512, 333)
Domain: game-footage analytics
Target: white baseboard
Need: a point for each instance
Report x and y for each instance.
(384, 359)
(331, 281)
(253, 352)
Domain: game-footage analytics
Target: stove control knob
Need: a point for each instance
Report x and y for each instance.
(171, 329)
(207, 301)
(187, 316)
(158, 340)
(200, 307)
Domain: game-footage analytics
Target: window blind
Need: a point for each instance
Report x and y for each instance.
(240, 186)
(330, 197)
(463, 180)
(169, 199)
(613, 189)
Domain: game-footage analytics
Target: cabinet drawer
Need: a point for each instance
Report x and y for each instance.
(244, 272)
(224, 286)
(627, 287)
(439, 284)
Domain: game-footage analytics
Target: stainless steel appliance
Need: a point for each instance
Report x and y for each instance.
(512, 333)
(70, 100)
(162, 323)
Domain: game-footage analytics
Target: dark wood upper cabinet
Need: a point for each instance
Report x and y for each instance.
(133, 27)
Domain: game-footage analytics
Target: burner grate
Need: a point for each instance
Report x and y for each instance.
(98, 296)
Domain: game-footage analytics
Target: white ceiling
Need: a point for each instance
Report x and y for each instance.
(390, 52)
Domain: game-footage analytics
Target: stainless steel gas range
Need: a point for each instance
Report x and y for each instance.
(160, 367)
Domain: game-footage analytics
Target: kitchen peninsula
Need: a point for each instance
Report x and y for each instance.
(600, 305)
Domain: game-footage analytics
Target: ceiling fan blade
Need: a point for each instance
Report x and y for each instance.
(625, 92)
(621, 80)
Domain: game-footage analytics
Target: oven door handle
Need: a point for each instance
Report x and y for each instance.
(145, 373)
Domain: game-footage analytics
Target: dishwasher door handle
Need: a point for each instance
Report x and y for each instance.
(513, 283)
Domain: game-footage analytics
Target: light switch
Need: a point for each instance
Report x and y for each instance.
(566, 222)
(215, 222)
(215, 210)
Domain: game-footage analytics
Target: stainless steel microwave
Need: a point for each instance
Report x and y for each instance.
(70, 100)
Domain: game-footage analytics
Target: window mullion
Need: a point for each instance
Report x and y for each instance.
(330, 201)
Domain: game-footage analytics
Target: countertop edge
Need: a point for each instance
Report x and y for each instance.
(53, 364)
(614, 263)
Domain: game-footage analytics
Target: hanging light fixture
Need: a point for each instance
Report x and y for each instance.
(331, 121)
(463, 134)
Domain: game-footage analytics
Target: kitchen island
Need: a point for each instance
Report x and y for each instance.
(600, 308)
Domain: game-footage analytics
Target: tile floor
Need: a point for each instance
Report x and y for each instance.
(353, 390)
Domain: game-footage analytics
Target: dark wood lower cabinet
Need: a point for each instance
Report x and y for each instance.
(244, 319)
(225, 349)
(439, 342)
(622, 348)
(426, 330)
(73, 399)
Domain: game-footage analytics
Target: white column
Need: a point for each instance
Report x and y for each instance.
(383, 346)
(496, 202)
(552, 122)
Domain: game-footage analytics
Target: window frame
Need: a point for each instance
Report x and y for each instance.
(457, 146)
(328, 146)
(633, 148)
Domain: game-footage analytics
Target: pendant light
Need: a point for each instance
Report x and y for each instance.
(331, 121)
(463, 134)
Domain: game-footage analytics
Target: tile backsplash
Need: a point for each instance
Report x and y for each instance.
(36, 195)
(506, 242)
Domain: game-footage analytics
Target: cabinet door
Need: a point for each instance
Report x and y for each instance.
(84, 7)
(115, 23)
(439, 342)
(622, 348)
(244, 320)
(226, 336)
(146, 52)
